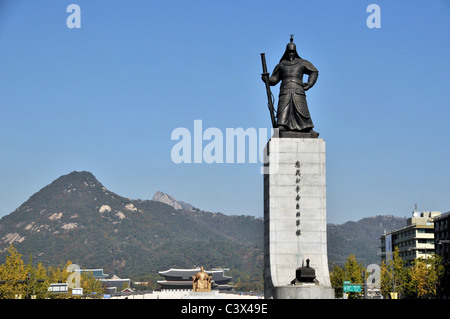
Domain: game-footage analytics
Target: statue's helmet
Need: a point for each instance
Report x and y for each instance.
(290, 47)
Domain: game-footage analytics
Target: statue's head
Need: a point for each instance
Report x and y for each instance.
(291, 51)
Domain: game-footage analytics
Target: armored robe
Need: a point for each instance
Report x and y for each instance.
(293, 113)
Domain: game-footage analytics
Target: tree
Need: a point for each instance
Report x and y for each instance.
(14, 276)
(421, 280)
(418, 282)
(37, 281)
(59, 274)
(393, 275)
(337, 276)
(444, 283)
(352, 272)
(436, 271)
(424, 277)
(91, 285)
(29, 281)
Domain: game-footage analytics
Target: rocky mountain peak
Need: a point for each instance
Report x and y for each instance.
(171, 201)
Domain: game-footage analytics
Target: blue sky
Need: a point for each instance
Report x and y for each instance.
(105, 98)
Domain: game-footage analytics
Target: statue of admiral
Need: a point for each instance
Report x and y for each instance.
(293, 113)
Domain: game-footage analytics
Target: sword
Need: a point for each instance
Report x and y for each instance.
(269, 93)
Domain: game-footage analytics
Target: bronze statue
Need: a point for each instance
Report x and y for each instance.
(292, 113)
(201, 281)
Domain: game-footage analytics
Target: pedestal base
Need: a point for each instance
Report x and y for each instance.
(295, 226)
(303, 292)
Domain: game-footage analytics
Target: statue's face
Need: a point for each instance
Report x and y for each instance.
(291, 54)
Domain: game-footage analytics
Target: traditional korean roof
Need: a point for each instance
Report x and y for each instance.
(174, 274)
(180, 272)
(175, 283)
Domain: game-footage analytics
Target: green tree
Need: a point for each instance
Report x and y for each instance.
(352, 271)
(354, 274)
(337, 276)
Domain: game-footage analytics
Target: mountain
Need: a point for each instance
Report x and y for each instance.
(171, 201)
(361, 238)
(76, 218)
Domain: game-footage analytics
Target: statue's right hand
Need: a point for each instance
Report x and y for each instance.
(264, 77)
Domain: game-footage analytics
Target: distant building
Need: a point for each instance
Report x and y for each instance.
(112, 285)
(442, 244)
(97, 273)
(176, 279)
(442, 237)
(416, 240)
(116, 284)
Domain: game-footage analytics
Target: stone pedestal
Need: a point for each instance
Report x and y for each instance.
(303, 292)
(295, 227)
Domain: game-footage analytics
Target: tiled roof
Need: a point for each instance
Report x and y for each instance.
(217, 275)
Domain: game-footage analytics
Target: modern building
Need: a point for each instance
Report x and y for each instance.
(181, 279)
(442, 247)
(97, 273)
(442, 237)
(416, 240)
